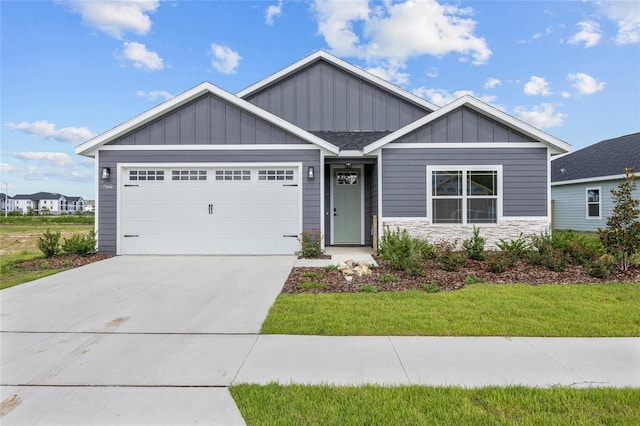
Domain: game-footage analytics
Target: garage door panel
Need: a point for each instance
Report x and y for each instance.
(210, 216)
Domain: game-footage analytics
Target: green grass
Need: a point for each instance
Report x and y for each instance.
(47, 220)
(421, 405)
(587, 310)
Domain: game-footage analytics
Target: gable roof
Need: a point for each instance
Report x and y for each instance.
(607, 158)
(89, 147)
(556, 145)
(39, 196)
(322, 55)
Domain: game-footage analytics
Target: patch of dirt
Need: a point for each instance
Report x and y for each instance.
(522, 272)
(65, 261)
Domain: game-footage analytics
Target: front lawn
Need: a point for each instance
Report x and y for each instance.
(422, 405)
(586, 310)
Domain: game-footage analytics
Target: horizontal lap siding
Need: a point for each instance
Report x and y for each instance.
(107, 213)
(404, 177)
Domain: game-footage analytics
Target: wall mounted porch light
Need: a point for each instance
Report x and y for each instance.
(310, 173)
(106, 173)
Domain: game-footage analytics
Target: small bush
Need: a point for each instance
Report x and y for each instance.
(450, 259)
(602, 267)
(402, 251)
(582, 249)
(48, 243)
(313, 285)
(499, 262)
(474, 246)
(312, 275)
(430, 287)
(555, 260)
(545, 253)
(472, 279)
(366, 288)
(518, 247)
(331, 268)
(387, 278)
(310, 243)
(80, 244)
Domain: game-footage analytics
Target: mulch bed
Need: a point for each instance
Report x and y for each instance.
(522, 272)
(64, 261)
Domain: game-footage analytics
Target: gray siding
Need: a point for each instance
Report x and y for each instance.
(464, 125)
(404, 177)
(570, 205)
(107, 213)
(207, 120)
(323, 97)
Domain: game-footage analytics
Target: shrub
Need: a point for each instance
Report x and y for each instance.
(518, 247)
(313, 285)
(582, 249)
(312, 275)
(498, 262)
(450, 259)
(331, 268)
(474, 246)
(555, 260)
(430, 287)
(387, 278)
(621, 237)
(602, 267)
(310, 242)
(402, 251)
(48, 243)
(472, 279)
(545, 253)
(366, 288)
(80, 244)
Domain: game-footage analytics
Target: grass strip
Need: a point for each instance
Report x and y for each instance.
(415, 405)
(585, 310)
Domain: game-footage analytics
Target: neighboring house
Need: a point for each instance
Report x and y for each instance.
(7, 203)
(89, 205)
(582, 182)
(41, 202)
(321, 145)
(75, 204)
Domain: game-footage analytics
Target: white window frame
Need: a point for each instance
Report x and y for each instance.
(465, 197)
(587, 203)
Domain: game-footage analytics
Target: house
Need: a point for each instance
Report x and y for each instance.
(7, 203)
(581, 182)
(320, 145)
(89, 205)
(40, 202)
(75, 204)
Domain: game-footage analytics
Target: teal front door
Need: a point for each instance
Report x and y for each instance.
(347, 206)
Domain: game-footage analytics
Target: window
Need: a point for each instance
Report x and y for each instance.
(593, 203)
(146, 175)
(275, 174)
(347, 178)
(188, 175)
(464, 195)
(233, 174)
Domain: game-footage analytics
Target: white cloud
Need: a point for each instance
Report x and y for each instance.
(141, 57)
(272, 12)
(153, 95)
(225, 59)
(541, 116)
(492, 83)
(585, 84)
(391, 71)
(44, 129)
(547, 31)
(442, 97)
(58, 159)
(589, 34)
(116, 17)
(432, 73)
(6, 168)
(626, 14)
(537, 86)
(387, 34)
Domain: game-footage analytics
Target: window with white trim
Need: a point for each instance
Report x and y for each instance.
(146, 175)
(230, 175)
(593, 203)
(188, 175)
(464, 195)
(274, 174)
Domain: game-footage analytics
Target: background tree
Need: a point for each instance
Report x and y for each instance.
(621, 237)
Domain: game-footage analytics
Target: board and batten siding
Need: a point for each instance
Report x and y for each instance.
(323, 97)
(404, 177)
(464, 125)
(207, 120)
(570, 205)
(107, 214)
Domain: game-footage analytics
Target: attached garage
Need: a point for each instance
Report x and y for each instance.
(209, 209)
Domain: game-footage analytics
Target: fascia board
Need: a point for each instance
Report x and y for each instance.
(89, 147)
(556, 145)
(587, 180)
(321, 54)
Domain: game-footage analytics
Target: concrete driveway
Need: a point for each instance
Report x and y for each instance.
(134, 340)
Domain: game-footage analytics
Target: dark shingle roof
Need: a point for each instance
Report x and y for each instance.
(38, 196)
(350, 140)
(607, 158)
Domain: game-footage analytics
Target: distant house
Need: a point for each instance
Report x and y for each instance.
(7, 203)
(581, 182)
(89, 205)
(41, 202)
(75, 204)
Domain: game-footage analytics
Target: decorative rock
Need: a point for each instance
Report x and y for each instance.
(350, 268)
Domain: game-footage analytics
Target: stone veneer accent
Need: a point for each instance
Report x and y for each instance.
(507, 230)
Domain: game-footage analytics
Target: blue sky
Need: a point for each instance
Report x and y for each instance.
(71, 70)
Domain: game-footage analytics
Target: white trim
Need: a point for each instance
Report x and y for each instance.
(588, 180)
(88, 148)
(380, 228)
(528, 218)
(322, 212)
(465, 169)
(360, 168)
(549, 213)
(96, 202)
(587, 203)
(351, 153)
(359, 72)
(557, 145)
(121, 166)
(472, 145)
(243, 147)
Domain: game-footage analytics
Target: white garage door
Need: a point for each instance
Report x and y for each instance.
(210, 210)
